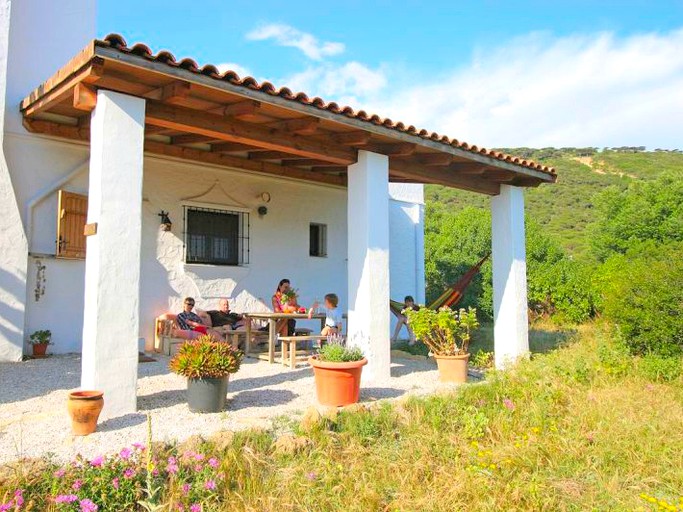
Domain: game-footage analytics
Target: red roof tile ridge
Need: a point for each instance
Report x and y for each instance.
(118, 42)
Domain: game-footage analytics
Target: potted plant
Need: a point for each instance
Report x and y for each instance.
(447, 335)
(207, 364)
(288, 300)
(337, 369)
(39, 340)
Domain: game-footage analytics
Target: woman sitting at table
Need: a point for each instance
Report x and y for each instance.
(285, 327)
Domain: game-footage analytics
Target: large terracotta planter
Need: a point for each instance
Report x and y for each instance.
(337, 384)
(39, 349)
(452, 368)
(207, 394)
(84, 409)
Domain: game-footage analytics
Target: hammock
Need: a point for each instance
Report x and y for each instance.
(450, 296)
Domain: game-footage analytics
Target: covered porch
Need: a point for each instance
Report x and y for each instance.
(126, 102)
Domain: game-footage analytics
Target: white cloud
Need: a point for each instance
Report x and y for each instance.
(232, 66)
(596, 90)
(285, 35)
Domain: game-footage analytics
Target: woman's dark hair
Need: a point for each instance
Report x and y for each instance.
(409, 298)
(282, 281)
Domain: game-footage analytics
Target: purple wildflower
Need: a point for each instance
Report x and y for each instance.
(19, 497)
(4, 507)
(77, 485)
(125, 453)
(155, 472)
(198, 468)
(186, 489)
(129, 473)
(115, 483)
(199, 456)
(59, 473)
(172, 466)
(97, 462)
(88, 506)
(509, 404)
(311, 476)
(66, 498)
(210, 485)
(213, 462)
(139, 446)
(196, 507)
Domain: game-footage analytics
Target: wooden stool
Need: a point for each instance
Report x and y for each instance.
(289, 352)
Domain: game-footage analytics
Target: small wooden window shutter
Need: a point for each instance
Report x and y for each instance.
(71, 217)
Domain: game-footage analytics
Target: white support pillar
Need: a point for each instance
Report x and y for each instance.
(368, 262)
(511, 330)
(112, 264)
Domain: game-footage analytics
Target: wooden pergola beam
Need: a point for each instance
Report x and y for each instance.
(301, 126)
(353, 138)
(85, 97)
(269, 155)
(239, 110)
(308, 162)
(231, 147)
(402, 169)
(398, 149)
(435, 159)
(231, 130)
(192, 138)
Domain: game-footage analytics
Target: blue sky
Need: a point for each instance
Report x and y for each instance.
(469, 69)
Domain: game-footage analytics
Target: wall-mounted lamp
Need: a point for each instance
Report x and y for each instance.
(262, 210)
(166, 223)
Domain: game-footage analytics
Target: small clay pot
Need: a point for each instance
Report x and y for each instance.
(39, 349)
(452, 368)
(84, 409)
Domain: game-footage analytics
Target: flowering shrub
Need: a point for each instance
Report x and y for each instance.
(123, 481)
(445, 332)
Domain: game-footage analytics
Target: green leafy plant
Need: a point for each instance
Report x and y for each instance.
(339, 353)
(40, 337)
(445, 332)
(206, 358)
(289, 297)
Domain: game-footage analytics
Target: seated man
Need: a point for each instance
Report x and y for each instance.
(402, 320)
(224, 318)
(187, 320)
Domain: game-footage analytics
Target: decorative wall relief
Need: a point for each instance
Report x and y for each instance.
(39, 290)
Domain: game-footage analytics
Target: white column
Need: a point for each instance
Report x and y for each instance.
(511, 331)
(368, 262)
(112, 264)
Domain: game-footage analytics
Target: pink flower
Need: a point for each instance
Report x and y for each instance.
(19, 497)
(509, 404)
(196, 507)
(155, 472)
(115, 483)
(129, 473)
(88, 506)
(77, 485)
(97, 462)
(213, 462)
(125, 453)
(180, 507)
(210, 485)
(198, 468)
(59, 473)
(311, 475)
(66, 498)
(172, 467)
(199, 456)
(139, 446)
(186, 489)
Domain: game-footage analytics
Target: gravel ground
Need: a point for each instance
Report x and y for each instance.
(34, 419)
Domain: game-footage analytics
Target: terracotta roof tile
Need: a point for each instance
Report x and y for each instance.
(119, 43)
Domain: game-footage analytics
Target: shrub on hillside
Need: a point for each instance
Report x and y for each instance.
(642, 293)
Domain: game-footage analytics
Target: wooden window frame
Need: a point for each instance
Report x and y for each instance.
(70, 225)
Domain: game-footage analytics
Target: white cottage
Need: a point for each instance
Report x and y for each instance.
(104, 139)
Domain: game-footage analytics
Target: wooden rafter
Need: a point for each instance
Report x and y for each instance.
(231, 147)
(354, 138)
(402, 169)
(232, 130)
(301, 126)
(269, 155)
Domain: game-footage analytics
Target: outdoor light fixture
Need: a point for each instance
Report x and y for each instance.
(166, 223)
(262, 210)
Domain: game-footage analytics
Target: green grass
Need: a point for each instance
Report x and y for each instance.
(577, 428)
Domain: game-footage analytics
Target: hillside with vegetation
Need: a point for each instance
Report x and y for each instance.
(564, 210)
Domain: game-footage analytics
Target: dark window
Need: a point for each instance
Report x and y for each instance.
(216, 237)
(318, 240)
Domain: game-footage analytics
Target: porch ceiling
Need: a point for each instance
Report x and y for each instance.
(199, 115)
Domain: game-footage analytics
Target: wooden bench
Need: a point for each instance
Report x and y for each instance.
(289, 350)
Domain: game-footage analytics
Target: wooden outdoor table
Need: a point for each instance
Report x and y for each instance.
(272, 319)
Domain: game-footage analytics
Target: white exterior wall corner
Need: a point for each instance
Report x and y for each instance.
(13, 244)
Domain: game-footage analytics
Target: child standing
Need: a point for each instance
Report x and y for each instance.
(333, 317)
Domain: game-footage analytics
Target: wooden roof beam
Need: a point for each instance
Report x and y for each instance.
(435, 159)
(232, 130)
(269, 155)
(402, 169)
(400, 149)
(353, 138)
(301, 125)
(85, 97)
(240, 110)
(192, 138)
(231, 147)
(174, 93)
(337, 169)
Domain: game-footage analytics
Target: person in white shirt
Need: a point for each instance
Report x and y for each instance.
(333, 317)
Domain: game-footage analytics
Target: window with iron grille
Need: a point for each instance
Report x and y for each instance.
(216, 237)
(318, 240)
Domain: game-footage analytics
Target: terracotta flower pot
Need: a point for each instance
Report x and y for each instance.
(84, 409)
(39, 349)
(337, 384)
(452, 368)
